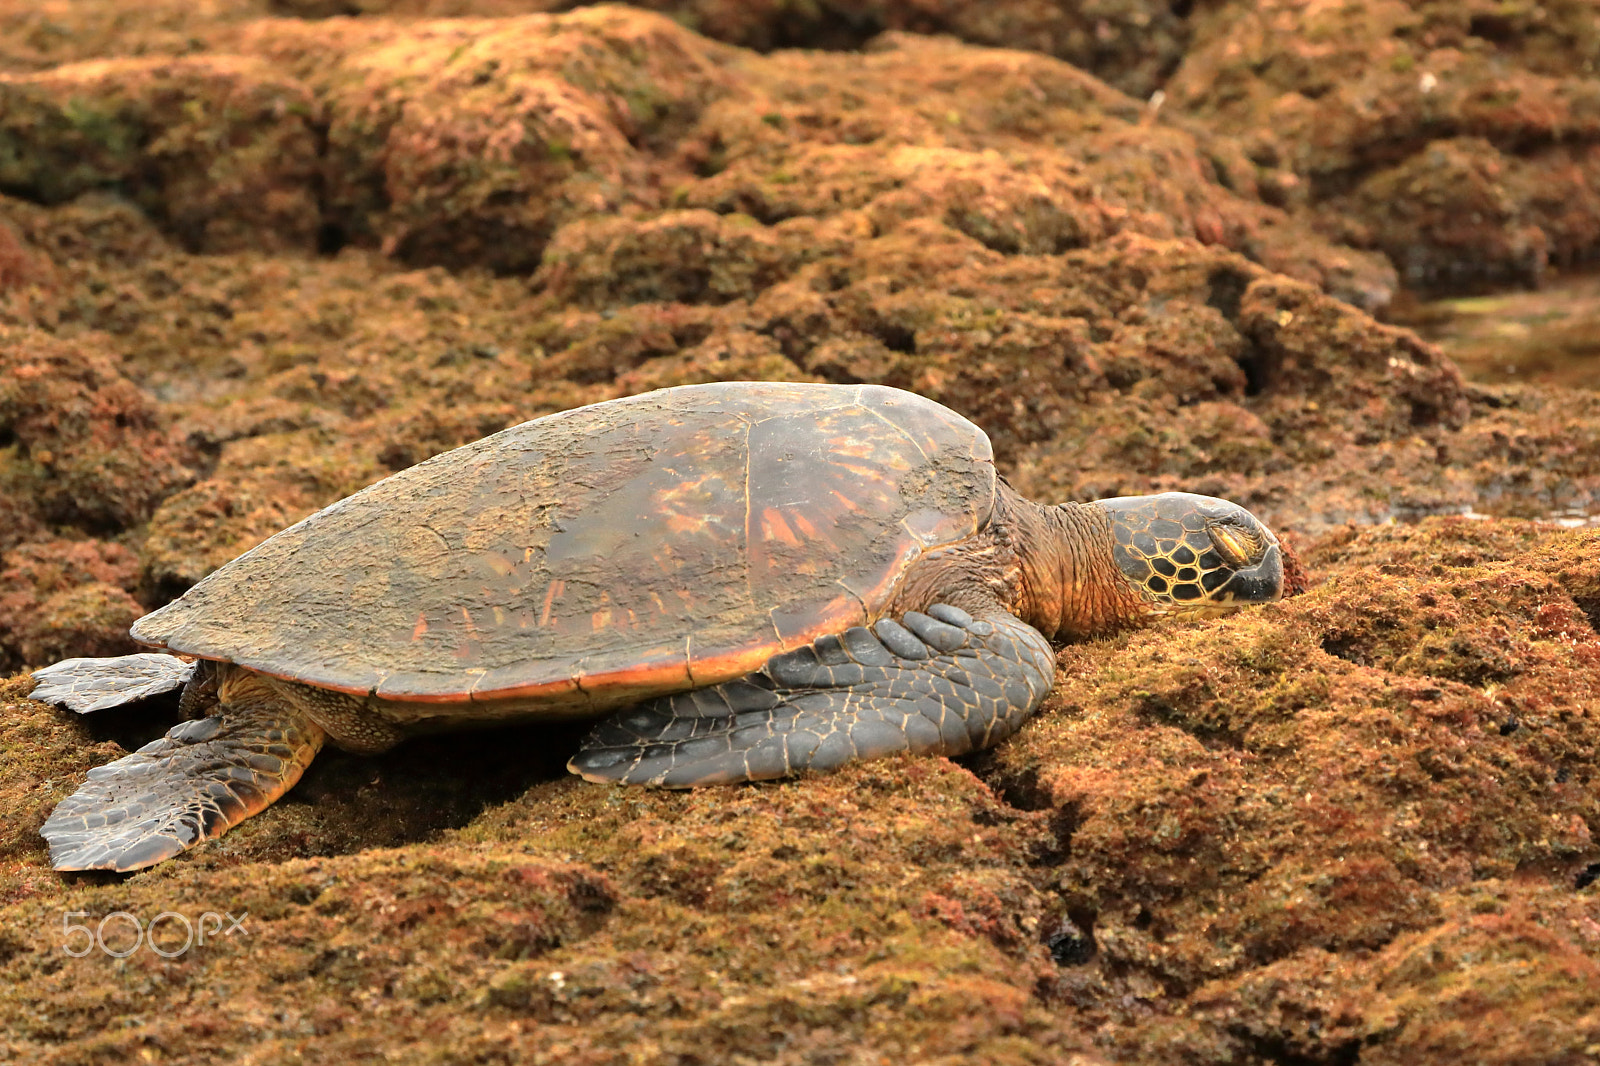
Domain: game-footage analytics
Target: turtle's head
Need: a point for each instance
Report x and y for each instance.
(1194, 556)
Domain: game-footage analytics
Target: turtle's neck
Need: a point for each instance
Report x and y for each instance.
(1071, 585)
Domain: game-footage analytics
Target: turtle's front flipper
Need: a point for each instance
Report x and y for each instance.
(86, 685)
(940, 683)
(193, 784)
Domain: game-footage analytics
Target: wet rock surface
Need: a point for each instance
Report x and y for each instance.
(254, 257)
(1457, 137)
(1547, 337)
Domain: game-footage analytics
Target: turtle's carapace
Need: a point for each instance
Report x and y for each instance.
(749, 578)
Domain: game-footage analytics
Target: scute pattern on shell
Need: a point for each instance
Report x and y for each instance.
(625, 549)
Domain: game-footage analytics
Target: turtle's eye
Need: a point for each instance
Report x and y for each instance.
(1237, 544)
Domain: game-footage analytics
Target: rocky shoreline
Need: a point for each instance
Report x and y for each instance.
(255, 254)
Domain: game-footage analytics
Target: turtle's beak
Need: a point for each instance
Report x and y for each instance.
(1261, 583)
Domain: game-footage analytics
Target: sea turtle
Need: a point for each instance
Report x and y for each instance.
(751, 579)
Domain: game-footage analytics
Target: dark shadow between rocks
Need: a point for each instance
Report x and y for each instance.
(1281, 1052)
(1585, 595)
(1019, 789)
(827, 29)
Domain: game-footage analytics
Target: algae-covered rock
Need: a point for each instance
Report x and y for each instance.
(27, 278)
(467, 143)
(80, 444)
(1458, 138)
(39, 34)
(59, 599)
(249, 265)
(1243, 809)
(1133, 44)
(716, 259)
(220, 150)
(1024, 153)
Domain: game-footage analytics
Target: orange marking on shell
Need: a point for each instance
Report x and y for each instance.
(658, 675)
(852, 446)
(805, 527)
(864, 473)
(468, 649)
(565, 686)
(662, 675)
(601, 619)
(420, 628)
(550, 593)
(773, 527)
(682, 523)
(715, 669)
(682, 508)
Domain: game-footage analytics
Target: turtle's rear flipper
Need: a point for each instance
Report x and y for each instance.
(941, 683)
(193, 784)
(86, 685)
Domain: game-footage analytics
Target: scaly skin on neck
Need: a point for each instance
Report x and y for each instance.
(1071, 586)
(1050, 566)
